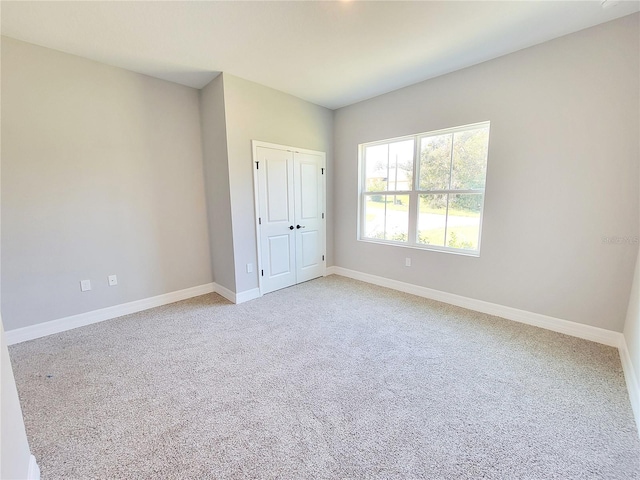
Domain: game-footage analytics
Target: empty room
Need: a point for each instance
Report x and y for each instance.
(320, 240)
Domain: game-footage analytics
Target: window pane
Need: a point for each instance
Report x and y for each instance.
(387, 217)
(432, 219)
(435, 162)
(397, 218)
(389, 167)
(401, 165)
(374, 215)
(470, 159)
(376, 168)
(463, 224)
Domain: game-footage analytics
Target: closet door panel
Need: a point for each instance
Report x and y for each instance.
(309, 201)
(276, 236)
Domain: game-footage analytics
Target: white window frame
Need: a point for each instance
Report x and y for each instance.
(415, 192)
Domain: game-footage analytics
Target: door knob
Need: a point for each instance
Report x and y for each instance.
(291, 227)
(298, 226)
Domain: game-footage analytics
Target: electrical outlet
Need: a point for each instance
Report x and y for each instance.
(249, 267)
(113, 280)
(407, 262)
(85, 285)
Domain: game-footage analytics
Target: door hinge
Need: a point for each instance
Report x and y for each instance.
(323, 258)
(259, 221)
(323, 215)
(262, 272)
(257, 165)
(322, 171)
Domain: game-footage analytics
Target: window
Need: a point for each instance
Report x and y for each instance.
(427, 190)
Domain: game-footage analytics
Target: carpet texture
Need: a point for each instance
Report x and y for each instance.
(332, 378)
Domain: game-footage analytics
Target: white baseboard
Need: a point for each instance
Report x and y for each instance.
(237, 297)
(632, 381)
(225, 292)
(587, 332)
(34, 471)
(67, 323)
(248, 295)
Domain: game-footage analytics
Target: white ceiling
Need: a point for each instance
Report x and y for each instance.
(329, 53)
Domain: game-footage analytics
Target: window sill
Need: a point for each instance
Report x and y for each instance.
(454, 251)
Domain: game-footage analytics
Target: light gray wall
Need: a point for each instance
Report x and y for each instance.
(216, 167)
(256, 112)
(15, 454)
(14, 447)
(632, 328)
(101, 174)
(14, 462)
(632, 324)
(562, 174)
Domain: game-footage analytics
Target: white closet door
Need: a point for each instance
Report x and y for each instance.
(290, 191)
(309, 201)
(277, 231)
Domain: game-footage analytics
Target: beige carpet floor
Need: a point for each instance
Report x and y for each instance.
(329, 379)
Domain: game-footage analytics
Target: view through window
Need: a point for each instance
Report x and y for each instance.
(426, 190)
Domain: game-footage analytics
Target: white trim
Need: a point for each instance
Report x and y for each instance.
(248, 295)
(256, 207)
(278, 146)
(430, 248)
(587, 332)
(34, 471)
(225, 292)
(632, 381)
(67, 323)
(237, 297)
